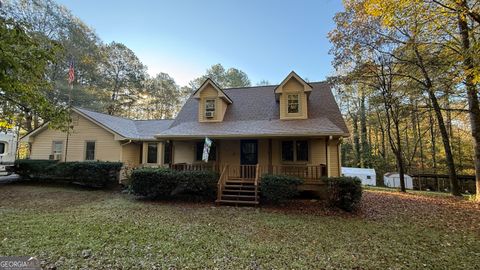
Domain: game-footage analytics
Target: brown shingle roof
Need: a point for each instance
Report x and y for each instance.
(254, 112)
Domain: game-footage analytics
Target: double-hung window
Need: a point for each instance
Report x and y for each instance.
(90, 150)
(295, 151)
(152, 152)
(293, 103)
(209, 108)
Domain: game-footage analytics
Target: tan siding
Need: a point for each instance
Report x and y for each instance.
(333, 162)
(183, 152)
(318, 151)
(263, 152)
(131, 154)
(210, 92)
(106, 148)
(230, 152)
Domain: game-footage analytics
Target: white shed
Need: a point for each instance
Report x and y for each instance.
(393, 180)
(367, 176)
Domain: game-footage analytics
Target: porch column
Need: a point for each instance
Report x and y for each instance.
(327, 152)
(270, 155)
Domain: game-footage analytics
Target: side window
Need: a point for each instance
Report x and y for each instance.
(293, 103)
(302, 150)
(90, 150)
(57, 150)
(295, 150)
(287, 150)
(152, 153)
(3, 146)
(210, 108)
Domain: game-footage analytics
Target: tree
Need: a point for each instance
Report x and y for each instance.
(22, 73)
(163, 97)
(230, 78)
(123, 76)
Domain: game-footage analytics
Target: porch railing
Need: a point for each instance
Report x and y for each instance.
(221, 182)
(309, 173)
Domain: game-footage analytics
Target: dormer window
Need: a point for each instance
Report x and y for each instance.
(293, 103)
(210, 108)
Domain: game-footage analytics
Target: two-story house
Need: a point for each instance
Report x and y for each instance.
(294, 128)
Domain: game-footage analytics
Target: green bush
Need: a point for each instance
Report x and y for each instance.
(33, 168)
(88, 173)
(344, 192)
(277, 188)
(166, 183)
(153, 182)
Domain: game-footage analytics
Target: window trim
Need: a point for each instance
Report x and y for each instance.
(205, 110)
(94, 150)
(295, 160)
(298, 104)
(53, 146)
(5, 145)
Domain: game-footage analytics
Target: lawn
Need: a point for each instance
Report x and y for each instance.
(75, 228)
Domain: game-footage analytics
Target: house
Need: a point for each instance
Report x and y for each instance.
(294, 128)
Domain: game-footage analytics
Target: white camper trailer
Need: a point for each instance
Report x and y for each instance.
(368, 176)
(8, 151)
(393, 180)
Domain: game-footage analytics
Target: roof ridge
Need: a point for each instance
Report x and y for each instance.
(90, 110)
(169, 119)
(270, 85)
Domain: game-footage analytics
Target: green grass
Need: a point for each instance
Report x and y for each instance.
(56, 224)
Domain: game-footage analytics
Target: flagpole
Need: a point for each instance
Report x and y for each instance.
(71, 77)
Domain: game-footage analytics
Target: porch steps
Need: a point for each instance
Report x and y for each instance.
(239, 191)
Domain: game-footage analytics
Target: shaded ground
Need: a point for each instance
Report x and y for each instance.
(115, 231)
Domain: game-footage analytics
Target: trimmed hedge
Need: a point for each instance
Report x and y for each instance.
(166, 183)
(344, 192)
(88, 173)
(278, 188)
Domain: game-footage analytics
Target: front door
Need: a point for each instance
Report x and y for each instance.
(248, 158)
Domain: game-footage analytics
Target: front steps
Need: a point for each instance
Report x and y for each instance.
(239, 191)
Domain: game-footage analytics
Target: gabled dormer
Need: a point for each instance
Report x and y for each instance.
(292, 94)
(212, 102)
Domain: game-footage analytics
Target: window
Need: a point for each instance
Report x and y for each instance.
(167, 153)
(57, 149)
(287, 150)
(90, 150)
(302, 150)
(3, 146)
(293, 103)
(295, 150)
(209, 107)
(369, 177)
(152, 153)
(199, 151)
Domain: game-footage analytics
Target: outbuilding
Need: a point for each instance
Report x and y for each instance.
(368, 176)
(393, 180)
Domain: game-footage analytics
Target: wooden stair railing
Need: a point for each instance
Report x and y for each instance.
(221, 182)
(257, 172)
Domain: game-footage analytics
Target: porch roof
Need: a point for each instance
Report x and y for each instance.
(255, 112)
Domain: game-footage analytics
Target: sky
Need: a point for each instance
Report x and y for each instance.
(264, 38)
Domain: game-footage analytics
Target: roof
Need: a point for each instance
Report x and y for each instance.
(352, 170)
(255, 112)
(127, 128)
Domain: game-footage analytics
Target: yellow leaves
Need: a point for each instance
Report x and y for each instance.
(393, 12)
(5, 125)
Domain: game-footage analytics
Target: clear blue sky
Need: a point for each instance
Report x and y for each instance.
(265, 38)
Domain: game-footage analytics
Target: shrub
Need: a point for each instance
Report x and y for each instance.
(163, 183)
(153, 182)
(199, 183)
(344, 192)
(277, 188)
(88, 173)
(33, 168)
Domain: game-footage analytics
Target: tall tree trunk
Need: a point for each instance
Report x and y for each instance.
(472, 95)
(452, 174)
(356, 140)
(434, 143)
(365, 160)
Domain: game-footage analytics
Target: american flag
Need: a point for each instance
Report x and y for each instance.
(71, 73)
